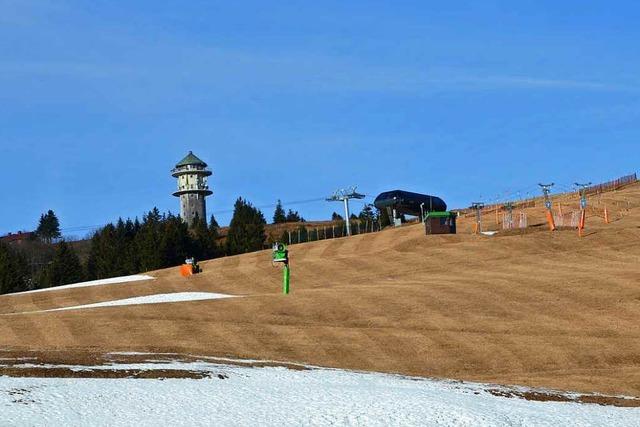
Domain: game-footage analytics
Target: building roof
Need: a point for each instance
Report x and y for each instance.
(17, 237)
(191, 159)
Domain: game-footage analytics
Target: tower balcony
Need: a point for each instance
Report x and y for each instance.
(190, 170)
(187, 190)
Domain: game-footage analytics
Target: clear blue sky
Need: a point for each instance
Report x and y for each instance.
(292, 100)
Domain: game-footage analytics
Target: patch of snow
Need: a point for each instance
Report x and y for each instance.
(147, 299)
(276, 396)
(489, 233)
(111, 281)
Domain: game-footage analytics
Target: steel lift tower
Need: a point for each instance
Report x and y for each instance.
(343, 196)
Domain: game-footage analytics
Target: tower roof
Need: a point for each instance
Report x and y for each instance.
(191, 159)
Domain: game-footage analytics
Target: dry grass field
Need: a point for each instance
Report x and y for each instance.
(531, 308)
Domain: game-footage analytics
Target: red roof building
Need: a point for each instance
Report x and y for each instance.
(18, 237)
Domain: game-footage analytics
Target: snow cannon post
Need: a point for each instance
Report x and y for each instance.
(546, 190)
(281, 254)
(582, 189)
(477, 226)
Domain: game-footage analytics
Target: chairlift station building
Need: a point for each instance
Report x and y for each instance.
(192, 174)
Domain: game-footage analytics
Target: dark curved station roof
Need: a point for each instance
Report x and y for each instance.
(408, 203)
(191, 159)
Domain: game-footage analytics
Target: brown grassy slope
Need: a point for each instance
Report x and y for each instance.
(540, 309)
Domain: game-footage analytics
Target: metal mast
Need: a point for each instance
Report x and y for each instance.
(478, 206)
(508, 207)
(546, 190)
(344, 195)
(582, 189)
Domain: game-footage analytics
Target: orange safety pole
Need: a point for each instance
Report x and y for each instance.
(581, 224)
(606, 215)
(552, 224)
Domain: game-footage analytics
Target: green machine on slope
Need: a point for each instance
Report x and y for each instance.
(281, 254)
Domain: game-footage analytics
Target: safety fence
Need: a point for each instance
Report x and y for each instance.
(567, 219)
(511, 221)
(311, 234)
(616, 184)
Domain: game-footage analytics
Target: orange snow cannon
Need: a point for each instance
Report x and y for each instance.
(186, 270)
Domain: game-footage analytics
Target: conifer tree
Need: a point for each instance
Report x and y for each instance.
(14, 271)
(105, 257)
(213, 224)
(175, 241)
(204, 240)
(383, 217)
(294, 216)
(336, 217)
(367, 214)
(246, 230)
(148, 241)
(279, 215)
(131, 260)
(214, 233)
(48, 227)
(65, 267)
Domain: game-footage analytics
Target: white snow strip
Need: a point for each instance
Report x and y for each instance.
(275, 396)
(147, 299)
(111, 281)
(152, 299)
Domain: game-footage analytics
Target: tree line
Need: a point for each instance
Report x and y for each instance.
(130, 246)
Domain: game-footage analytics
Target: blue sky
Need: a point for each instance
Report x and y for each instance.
(477, 100)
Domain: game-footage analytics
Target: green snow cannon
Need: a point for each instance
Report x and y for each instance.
(281, 254)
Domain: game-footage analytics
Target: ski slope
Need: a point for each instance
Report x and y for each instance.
(276, 396)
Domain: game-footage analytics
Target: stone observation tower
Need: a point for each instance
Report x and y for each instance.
(192, 174)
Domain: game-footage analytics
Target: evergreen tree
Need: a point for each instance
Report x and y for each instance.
(213, 224)
(204, 240)
(246, 230)
(175, 242)
(367, 214)
(294, 216)
(105, 255)
(14, 270)
(148, 241)
(65, 267)
(284, 238)
(383, 217)
(336, 217)
(214, 233)
(279, 215)
(131, 261)
(48, 227)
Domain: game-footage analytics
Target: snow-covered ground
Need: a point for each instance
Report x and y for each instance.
(147, 299)
(111, 281)
(152, 299)
(275, 396)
